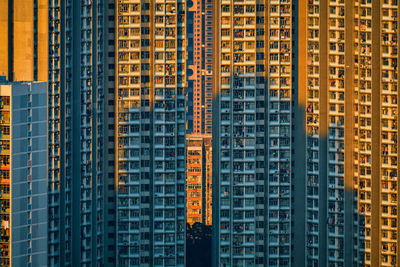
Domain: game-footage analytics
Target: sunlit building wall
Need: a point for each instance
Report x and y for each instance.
(199, 93)
(194, 179)
(198, 179)
(199, 64)
(150, 143)
(351, 91)
(325, 136)
(239, 136)
(330, 133)
(207, 182)
(376, 147)
(24, 40)
(279, 95)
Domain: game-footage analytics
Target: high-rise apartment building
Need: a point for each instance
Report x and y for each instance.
(239, 135)
(348, 87)
(150, 142)
(199, 108)
(71, 44)
(81, 171)
(325, 122)
(198, 179)
(23, 174)
(199, 65)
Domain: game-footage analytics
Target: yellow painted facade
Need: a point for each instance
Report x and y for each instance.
(4, 38)
(18, 57)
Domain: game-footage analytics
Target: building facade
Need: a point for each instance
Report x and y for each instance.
(349, 60)
(199, 108)
(326, 79)
(199, 66)
(198, 179)
(150, 143)
(23, 174)
(81, 172)
(70, 44)
(239, 135)
(194, 180)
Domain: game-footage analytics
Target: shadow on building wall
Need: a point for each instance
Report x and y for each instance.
(198, 245)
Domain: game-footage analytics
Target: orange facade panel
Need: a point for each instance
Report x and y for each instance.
(17, 48)
(23, 40)
(4, 38)
(198, 179)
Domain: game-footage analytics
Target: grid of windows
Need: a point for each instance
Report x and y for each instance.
(76, 132)
(312, 130)
(279, 132)
(150, 117)
(5, 181)
(241, 138)
(336, 112)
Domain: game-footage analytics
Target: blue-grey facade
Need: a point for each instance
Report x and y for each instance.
(81, 166)
(23, 168)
